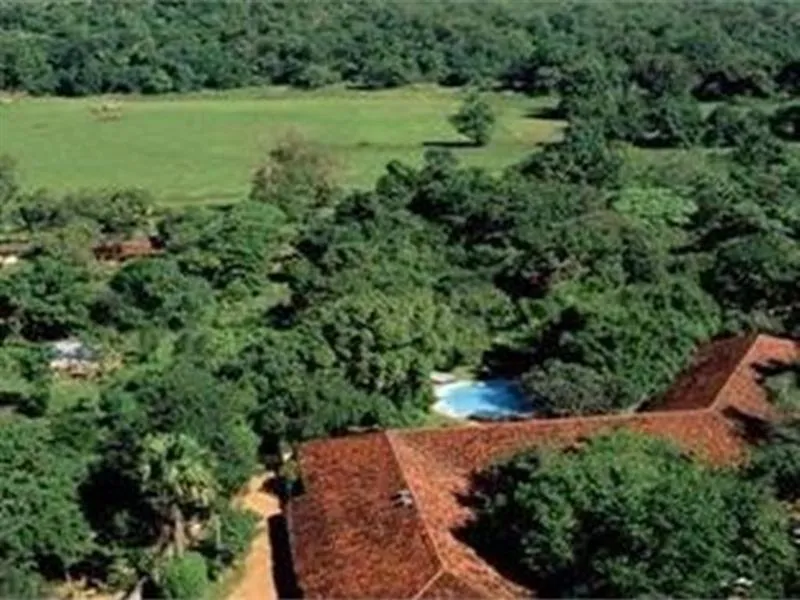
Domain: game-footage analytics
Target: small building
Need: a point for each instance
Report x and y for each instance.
(122, 250)
(74, 358)
(11, 253)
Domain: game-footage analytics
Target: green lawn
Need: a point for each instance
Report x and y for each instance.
(203, 147)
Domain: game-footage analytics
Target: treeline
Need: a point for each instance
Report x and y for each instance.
(715, 49)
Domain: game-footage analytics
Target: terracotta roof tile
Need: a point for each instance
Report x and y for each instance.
(437, 486)
(725, 373)
(350, 540)
(121, 250)
(743, 390)
(447, 586)
(700, 383)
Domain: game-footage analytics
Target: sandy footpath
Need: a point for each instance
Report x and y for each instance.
(256, 582)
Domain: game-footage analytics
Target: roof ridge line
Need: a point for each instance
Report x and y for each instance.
(718, 396)
(430, 583)
(620, 416)
(389, 436)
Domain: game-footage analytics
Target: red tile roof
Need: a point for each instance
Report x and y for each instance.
(121, 250)
(725, 374)
(351, 540)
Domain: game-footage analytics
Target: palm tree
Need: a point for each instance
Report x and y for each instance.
(176, 478)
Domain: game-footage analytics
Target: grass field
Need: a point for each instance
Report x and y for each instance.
(203, 147)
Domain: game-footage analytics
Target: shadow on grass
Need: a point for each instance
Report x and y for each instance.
(448, 144)
(282, 568)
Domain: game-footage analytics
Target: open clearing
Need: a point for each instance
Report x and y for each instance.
(203, 147)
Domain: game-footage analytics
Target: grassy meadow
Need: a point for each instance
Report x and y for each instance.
(203, 147)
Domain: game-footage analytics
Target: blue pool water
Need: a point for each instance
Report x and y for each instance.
(490, 399)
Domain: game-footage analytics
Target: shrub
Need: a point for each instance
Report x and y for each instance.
(184, 577)
(236, 529)
(19, 581)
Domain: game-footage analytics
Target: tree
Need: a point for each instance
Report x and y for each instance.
(656, 206)
(389, 344)
(315, 76)
(185, 398)
(154, 49)
(176, 478)
(238, 245)
(561, 389)
(777, 461)
(20, 580)
(474, 119)
(41, 520)
(758, 148)
(301, 391)
(728, 123)
(640, 335)
(662, 74)
(625, 515)
(673, 121)
(297, 177)
(46, 299)
(756, 273)
(25, 62)
(584, 156)
(25, 378)
(116, 211)
(39, 210)
(590, 89)
(152, 290)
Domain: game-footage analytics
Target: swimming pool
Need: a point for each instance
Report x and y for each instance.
(490, 399)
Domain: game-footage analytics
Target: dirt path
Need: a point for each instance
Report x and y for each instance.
(257, 582)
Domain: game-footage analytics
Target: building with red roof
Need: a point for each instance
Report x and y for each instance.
(380, 512)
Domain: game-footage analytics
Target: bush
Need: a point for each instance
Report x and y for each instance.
(235, 531)
(315, 76)
(19, 581)
(184, 577)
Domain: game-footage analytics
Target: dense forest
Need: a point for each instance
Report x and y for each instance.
(308, 310)
(712, 49)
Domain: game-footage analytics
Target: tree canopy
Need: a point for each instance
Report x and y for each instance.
(588, 272)
(713, 50)
(623, 515)
(42, 525)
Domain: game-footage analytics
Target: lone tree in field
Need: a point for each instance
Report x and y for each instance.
(475, 119)
(297, 176)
